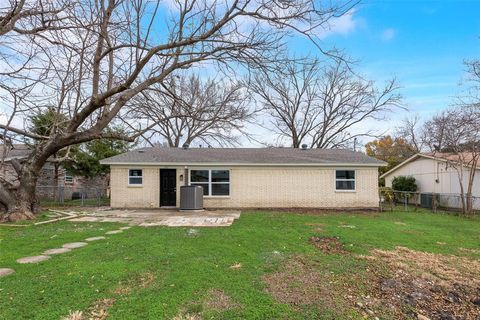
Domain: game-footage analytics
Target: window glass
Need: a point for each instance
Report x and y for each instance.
(135, 176)
(199, 176)
(220, 176)
(204, 186)
(214, 182)
(135, 172)
(68, 178)
(345, 174)
(220, 189)
(345, 185)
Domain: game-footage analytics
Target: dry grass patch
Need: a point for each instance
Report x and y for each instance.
(444, 269)
(98, 311)
(146, 280)
(426, 284)
(218, 300)
(187, 316)
(142, 281)
(298, 283)
(328, 245)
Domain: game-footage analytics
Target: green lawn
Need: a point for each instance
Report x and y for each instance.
(162, 273)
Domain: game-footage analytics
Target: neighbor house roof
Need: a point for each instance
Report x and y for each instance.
(242, 156)
(16, 151)
(439, 156)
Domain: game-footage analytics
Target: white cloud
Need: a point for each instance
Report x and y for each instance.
(342, 25)
(388, 34)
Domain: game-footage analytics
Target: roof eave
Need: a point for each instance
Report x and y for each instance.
(239, 164)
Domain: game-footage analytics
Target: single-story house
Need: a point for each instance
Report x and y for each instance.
(54, 180)
(245, 177)
(436, 173)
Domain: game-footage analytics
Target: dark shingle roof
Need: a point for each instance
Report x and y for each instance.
(17, 151)
(262, 156)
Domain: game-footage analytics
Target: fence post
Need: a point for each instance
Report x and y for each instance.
(405, 201)
(83, 195)
(62, 194)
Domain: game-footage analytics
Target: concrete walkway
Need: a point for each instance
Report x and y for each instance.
(163, 217)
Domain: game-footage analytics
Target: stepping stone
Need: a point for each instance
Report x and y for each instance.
(125, 228)
(114, 232)
(56, 251)
(74, 245)
(34, 259)
(95, 238)
(6, 271)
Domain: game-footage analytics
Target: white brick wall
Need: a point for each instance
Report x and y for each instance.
(258, 187)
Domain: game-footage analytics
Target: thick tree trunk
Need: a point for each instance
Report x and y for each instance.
(22, 203)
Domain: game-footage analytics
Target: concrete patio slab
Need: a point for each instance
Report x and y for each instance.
(6, 271)
(33, 259)
(163, 217)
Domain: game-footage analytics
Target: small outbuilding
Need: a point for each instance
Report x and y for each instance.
(435, 173)
(245, 177)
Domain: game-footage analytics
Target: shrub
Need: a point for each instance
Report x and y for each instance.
(403, 183)
(387, 194)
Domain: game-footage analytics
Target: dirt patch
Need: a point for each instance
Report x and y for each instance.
(218, 300)
(295, 283)
(426, 284)
(444, 269)
(328, 245)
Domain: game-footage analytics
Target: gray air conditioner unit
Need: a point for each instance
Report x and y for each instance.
(191, 198)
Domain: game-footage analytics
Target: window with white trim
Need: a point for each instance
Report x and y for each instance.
(215, 182)
(345, 180)
(68, 177)
(135, 177)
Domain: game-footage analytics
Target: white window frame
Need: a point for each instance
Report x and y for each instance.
(209, 182)
(129, 176)
(354, 180)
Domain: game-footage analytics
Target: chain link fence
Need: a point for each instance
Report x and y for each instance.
(410, 201)
(63, 196)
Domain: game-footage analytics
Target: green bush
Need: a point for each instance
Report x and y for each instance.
(403, 183)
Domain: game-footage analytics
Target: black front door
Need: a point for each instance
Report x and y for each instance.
(168, 187)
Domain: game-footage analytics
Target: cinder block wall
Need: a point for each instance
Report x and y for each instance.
(259, 187)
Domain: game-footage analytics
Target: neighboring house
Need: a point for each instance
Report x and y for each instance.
(51, 183)
(435, 173)
(245, 177)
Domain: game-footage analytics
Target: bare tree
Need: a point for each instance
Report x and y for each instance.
(321, 105)
(411, 131)
(115, 49)
(191, 110)
(30, 17)
(455, 136)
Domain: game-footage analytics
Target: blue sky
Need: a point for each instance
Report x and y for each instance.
(422, 43)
